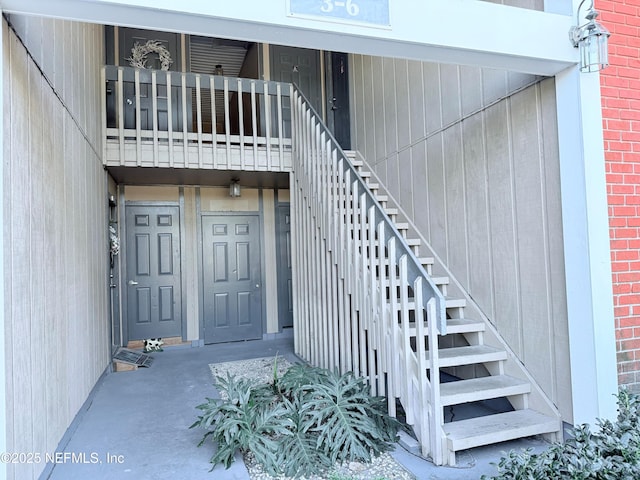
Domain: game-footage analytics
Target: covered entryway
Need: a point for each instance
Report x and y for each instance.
(224, 257)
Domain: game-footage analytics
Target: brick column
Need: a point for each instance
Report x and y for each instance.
(621, 123)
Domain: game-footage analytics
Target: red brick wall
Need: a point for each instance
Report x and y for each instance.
(621, 122)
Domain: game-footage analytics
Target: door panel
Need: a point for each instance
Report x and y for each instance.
(154, 298)
(340, 122)
(285, 287)
(231, 278)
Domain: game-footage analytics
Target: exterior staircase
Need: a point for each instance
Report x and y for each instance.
(492, 426)
(387, 324)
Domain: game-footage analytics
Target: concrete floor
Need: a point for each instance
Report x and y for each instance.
(136, 424)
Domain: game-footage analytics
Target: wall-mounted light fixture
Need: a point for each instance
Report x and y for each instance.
(592, 39)
(112, 208)
(234, 188)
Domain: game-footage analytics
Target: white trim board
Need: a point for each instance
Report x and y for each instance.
(447, 31)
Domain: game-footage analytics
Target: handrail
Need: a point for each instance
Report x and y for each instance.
(362, 296)
(415, 267)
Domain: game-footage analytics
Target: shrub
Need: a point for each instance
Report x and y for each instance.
(300, 424)
(611, 452)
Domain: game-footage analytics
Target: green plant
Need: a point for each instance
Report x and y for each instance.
(611, 452)
(301, 424)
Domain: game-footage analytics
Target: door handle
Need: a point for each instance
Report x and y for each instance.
(133, 282)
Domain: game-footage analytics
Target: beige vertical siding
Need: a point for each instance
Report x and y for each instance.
(471, 156)
(191, 294)
(56, 247)
(270, 273)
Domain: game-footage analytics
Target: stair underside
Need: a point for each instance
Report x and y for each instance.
(483, 388)
(497, 428)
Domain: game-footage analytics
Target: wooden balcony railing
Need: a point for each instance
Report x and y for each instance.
(185, 120)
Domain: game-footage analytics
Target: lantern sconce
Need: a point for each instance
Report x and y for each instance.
(112, 208)
(234, 188)
(592, 39)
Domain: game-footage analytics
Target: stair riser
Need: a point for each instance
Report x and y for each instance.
(448, 400)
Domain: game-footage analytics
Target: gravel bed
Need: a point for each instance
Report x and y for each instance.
(260, 369)
(383, 467)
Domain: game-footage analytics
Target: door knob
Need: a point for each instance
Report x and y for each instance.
(257, 285)
(133, 282)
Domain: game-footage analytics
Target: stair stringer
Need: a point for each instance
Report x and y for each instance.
(537, 399)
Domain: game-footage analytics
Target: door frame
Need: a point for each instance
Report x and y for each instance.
(124, 293)
(200, 215)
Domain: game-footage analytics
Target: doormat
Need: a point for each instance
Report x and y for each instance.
(132, 357)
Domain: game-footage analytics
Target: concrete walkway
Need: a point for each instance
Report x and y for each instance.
(136, 424)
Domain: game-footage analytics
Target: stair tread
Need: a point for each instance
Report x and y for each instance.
(464, 325)
(449, 302)
(455, 302)
(454, 356)
(501, 427)
(483, 388)
(454, 325)
(436, 280)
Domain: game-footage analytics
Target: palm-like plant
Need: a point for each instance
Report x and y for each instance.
(301, 424)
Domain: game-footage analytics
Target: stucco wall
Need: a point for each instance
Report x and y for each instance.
(476, 169)
(55, 231)
(621, 123)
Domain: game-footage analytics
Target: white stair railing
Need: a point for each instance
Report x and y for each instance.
(362, 300)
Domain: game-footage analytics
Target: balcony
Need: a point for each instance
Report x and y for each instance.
(182, 120)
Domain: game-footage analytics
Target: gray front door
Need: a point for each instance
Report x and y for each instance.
(302, 67)
(171, 41)
(285, 286)
(231, 278)
(339, 119)
(154, 294)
